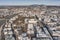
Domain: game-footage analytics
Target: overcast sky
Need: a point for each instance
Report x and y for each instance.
(29, 2)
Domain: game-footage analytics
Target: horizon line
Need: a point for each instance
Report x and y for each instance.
(30, 4)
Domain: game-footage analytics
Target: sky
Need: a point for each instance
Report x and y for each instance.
(29, 2)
